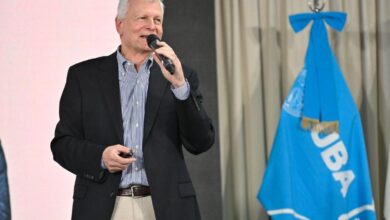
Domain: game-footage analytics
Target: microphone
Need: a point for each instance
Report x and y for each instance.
(152, 43)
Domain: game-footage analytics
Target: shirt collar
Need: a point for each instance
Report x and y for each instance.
(122, 61)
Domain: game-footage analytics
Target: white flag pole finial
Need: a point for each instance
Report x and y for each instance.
(316, 6)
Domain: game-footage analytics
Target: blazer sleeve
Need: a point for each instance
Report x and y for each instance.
(196, 129)
(5, 211)
(69, 147)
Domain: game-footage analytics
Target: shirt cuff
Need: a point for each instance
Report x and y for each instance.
(102, 164)
(182, 92)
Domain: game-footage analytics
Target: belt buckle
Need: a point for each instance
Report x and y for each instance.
(132, 192)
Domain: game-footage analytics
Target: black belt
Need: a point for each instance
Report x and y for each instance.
(134, 191)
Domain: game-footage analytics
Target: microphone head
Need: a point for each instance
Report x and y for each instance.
(152, 41)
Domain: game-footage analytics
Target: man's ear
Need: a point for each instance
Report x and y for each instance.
(118, 26)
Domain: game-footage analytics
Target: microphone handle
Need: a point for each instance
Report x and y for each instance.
(168, 64)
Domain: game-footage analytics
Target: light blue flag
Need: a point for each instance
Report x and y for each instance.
(318, 173)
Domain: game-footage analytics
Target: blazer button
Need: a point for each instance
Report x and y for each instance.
(112, 194)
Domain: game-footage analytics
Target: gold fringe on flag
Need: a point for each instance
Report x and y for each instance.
(320, 127)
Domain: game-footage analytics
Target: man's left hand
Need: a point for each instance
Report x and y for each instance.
(177, 79)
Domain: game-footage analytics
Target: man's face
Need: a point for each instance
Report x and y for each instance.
(142, 18)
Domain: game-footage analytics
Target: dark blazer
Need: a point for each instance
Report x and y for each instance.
(91, 119)
(5, 210)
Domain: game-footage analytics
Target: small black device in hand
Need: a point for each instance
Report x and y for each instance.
(126, 155)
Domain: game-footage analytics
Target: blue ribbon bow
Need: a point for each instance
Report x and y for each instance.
(336, 20)
(320, 110)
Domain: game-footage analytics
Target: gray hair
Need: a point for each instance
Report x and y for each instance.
(123, 6)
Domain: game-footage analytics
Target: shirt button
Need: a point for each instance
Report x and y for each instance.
(136, 125)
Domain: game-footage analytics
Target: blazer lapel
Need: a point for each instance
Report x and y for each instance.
(109, 83)
(157, 88)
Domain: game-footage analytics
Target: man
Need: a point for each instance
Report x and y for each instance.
(5, 212)
(128, 102)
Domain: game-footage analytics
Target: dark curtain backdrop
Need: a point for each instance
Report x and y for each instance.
(189, 27)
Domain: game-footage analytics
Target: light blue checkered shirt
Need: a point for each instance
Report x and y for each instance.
(133, 91)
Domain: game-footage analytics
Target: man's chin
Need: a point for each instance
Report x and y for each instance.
(147, 49)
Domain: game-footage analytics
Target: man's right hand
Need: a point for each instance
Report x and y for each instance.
(112, 161)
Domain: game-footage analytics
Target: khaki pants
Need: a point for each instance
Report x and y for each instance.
(129, 208)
